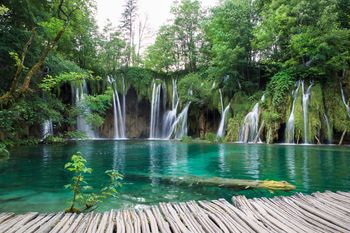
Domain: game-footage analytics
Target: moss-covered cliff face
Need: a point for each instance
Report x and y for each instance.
(327, 117)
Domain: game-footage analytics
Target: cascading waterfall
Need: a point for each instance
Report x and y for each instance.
(170, 116)
(171, 124)
(347, 106)
(329, 129)
(221, 129)
(179, 127)
(118, 110)
(290, 129)
(155, 111)
(306, 98)
(47, 129)
(79, 95)
(249, 130)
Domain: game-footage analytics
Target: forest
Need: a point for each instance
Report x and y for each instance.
(274, 71)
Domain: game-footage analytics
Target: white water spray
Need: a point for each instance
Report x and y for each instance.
(78, 98)
(47, 129)
(306, 98)
(347, 105)
(221, 129)
(329, 130)
(155, 111)
(118, 110)
(290, 129)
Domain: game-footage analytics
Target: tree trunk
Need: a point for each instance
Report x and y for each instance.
(221, 182)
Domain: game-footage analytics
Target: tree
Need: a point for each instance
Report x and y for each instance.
(161, 55)
(127, 26)
(230, 32)
(64, 13)
(303, 36)
(187, 32)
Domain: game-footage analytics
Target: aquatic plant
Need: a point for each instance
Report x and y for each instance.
(79, 186)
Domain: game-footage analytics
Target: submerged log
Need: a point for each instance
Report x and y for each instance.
(238, 184)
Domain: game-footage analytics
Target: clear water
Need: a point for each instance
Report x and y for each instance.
(33, 178)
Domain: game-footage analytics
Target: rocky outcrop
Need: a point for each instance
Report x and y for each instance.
(137, 118)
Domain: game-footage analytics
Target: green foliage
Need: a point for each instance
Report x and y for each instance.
(233, 127)
(25, 113)
(211, 137)
(186, 139)
(229, 30)
(75, 135)
(54, 140)
(3, 10)
(4, 153)
(79, 185)
(49, 82)
(278, 89)
(195, 89)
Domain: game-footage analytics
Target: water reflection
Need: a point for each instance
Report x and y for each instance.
(37, 172)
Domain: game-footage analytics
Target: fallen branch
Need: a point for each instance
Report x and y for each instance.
(222, 182)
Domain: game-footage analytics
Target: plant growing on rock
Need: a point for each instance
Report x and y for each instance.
(80, 187)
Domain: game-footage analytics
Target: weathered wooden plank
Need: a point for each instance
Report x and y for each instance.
(241, 217)
(61, 223)
(144, 222)
(163, 225)
(136, 221)
(103, 223)
(111, 222)
(202, 217)
(152, 220)
(287, 216)
(5, 216)
(119, 224)
(75, 224)
(94, 223)
(84, 223)
(314, 219)
(225, 219)
(174, 222)
(19, 224)
(38, 224)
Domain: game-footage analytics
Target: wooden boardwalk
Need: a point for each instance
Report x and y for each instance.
(319, 212)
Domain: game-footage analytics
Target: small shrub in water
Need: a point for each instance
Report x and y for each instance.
(80, 187)
(186, 139)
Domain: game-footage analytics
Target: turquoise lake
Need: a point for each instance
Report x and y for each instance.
(33, 178)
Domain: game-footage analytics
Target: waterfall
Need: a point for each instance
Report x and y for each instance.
(329, 129)
(221, 128)
(79, 95)
(118, 110)
(179, 127)
(306, 98)
(249, 130)
(171, 124)
(47, 129)
(290, 129)
(347, 106)
(155, 111)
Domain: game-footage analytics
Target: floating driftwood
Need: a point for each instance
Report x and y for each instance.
(223, 182)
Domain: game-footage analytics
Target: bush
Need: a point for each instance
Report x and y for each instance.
(79, 186)
(186, 139)
(211, 137)
(54, 139)
(75, 135)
